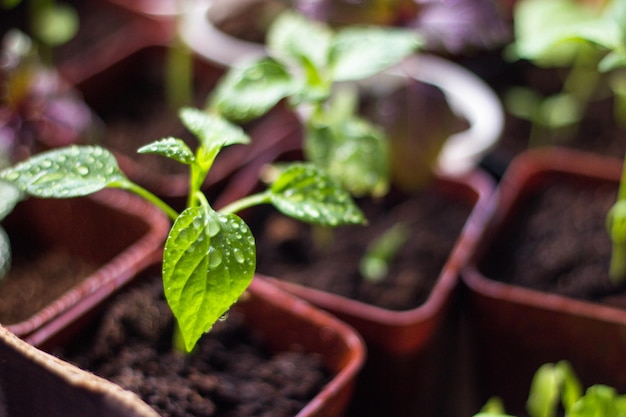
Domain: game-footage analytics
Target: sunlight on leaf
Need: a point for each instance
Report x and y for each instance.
(170, 148)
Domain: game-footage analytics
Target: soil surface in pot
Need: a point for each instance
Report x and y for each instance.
(559, 244)
(328, 259)
(229, 373)
(25, 291)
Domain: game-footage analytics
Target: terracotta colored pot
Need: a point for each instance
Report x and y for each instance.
(114, 233)
(283, 323)
(515, 329)
(34, 383)
(413, 347)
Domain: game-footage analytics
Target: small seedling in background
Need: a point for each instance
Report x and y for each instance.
(306, 61)
(556, 387)
(381, 252)
(616, 228)
(210, 256)
(585, 38)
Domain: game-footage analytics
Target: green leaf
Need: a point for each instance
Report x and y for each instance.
(598, 401)
(5, 253)
(353, 152)
(209, 261)
(543, 29)
(296, 39)
(545, 388)
(570, 385)
(9, 197)
(381, 251)
(360, 52)
(248, 92)
(213, 131)
(56, 25)
(65, 172)
(493, 407)
(559, 110)
(173, 148)
(612, 61)
(306, 193)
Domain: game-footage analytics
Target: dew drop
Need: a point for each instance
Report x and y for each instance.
(223, 317)
(239, 256)
(82, 170)
(215, 259)
(214, 228)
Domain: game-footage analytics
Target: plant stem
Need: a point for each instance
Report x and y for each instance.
(179, 66)
(244, 203)
(147, 195)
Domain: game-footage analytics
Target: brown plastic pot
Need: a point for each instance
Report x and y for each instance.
(413, 348)
(283, 323)
(410, 364)
(34, 383)
(115, 233)
(513, 329)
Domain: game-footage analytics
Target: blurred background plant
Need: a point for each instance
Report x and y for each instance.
(584, 39)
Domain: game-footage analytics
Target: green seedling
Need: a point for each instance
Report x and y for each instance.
(588, 40)
(306, 62)
(209, 256)
(9, 197)
(616, 228)
(556, 387)
(381, 252)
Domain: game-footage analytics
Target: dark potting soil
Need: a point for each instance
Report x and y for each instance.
(229, 374)
(329, 259)
(24, 292)
(559, 244)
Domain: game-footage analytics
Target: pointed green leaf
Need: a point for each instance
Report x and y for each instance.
(9, 197)
(544, 394)
(249, 92)
(173, 148)
(296, 39)
(572, 388)
(209, 261)
(213, 131)
(361, 52)
(306, 193)
(65, 172)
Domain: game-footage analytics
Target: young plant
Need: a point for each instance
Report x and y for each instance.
(306, 61)
(209, 257)
(616, 228)
(556, 386)
(375, 262)
(587, 38)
